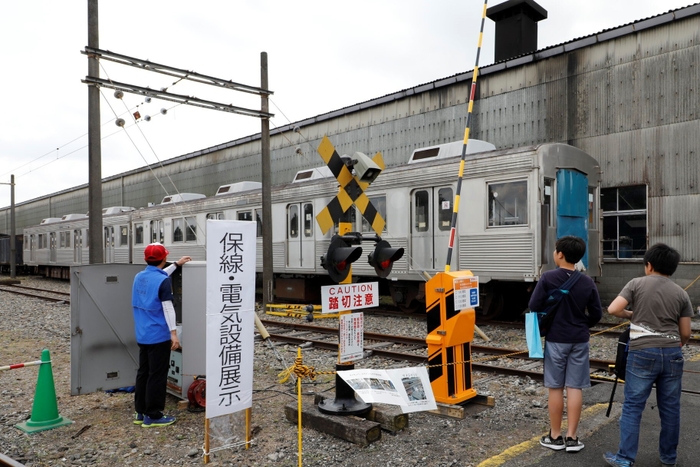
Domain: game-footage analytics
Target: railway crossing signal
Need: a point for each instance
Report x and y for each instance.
(383, 257)
(341, 254)
(352, 186)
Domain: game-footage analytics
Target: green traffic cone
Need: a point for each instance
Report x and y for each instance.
(45, 409)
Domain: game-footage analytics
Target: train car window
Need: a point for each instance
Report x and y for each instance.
(421, 210)
(547, 199)
(379, 202)
(138, 233)
(624, 222)
(178, 230)
(293, 220)
(215, 215)
(87, 238)
(42, 241)
(445, 214)
(157, 234)
(507, 203)
(308, 220)
(244, 215)
(258, 221)
(191, 232)
(62, 240)
(123, 235)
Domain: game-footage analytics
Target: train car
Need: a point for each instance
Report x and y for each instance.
(58, 243)
(514, 205)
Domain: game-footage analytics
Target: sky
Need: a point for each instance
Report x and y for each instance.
(322, 56)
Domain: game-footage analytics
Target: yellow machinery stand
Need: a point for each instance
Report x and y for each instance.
(450, 333)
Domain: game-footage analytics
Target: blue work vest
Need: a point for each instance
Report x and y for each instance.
(149, 317)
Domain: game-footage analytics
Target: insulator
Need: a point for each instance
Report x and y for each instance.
(119, 122)
(118, 94)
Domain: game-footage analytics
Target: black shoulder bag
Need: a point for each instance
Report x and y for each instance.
(546, 317)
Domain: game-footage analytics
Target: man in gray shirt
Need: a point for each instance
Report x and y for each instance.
(659, 327)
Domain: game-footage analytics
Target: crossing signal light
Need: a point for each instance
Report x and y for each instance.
(337, 261)
(383, 257)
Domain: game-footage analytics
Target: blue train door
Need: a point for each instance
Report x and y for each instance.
(572, 206)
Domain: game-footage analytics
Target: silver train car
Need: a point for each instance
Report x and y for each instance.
(514, 204)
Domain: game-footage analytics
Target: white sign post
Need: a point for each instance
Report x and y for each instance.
(341, 297)
(230, 310)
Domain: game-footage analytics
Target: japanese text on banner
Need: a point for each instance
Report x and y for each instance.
(230, 315)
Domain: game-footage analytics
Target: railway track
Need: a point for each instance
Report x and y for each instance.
(34, 292)
(415, 349)
(325, 338)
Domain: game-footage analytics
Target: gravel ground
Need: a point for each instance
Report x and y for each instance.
(103, 433)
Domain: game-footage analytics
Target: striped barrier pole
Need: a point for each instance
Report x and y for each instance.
(21, 365)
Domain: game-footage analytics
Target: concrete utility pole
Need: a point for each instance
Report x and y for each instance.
(94, 143)
(267, 285)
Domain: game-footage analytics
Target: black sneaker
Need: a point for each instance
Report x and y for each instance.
(573, 444)
(552, 443)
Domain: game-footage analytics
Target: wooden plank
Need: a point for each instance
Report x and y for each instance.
(350, 428)
(389, 417)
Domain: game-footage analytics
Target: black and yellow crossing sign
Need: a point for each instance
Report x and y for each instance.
(351, 190)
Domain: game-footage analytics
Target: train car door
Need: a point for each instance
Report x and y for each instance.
(300, 235)
(77, 246)
(572, 206)
(109, 244)
(52, 247)
(431, 217)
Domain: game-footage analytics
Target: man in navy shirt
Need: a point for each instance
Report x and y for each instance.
(156, 334)
(566, 349)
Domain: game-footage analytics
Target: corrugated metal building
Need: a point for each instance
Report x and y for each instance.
(627, 95)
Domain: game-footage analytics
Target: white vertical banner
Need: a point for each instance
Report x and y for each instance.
(352, 337)
(230, 315)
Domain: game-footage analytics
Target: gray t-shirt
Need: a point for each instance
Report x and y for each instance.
(657, 304)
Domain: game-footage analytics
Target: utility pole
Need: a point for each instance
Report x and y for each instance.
(267, 285)
(94, 143)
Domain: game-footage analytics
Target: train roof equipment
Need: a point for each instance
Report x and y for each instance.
(238, 187)
(116, 210)
(179, 197)
(72, 217)
(453, 149)
(312, 174)
(50, 220)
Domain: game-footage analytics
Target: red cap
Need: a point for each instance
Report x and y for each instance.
(155, 252)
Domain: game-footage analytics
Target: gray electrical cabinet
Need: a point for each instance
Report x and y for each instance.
(104, 352)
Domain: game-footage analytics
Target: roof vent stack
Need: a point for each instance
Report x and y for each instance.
(516, 27)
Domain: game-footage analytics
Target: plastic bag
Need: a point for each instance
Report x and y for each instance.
(532, 334)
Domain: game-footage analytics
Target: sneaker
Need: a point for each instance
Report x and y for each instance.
(613, 460)
(663, 464)
(162, 421)
(552, 443)
(138, 419)
(573, 444)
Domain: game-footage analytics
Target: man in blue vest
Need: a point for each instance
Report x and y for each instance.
(156, 334)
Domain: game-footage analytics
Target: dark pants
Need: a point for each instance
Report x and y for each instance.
(151, 379)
